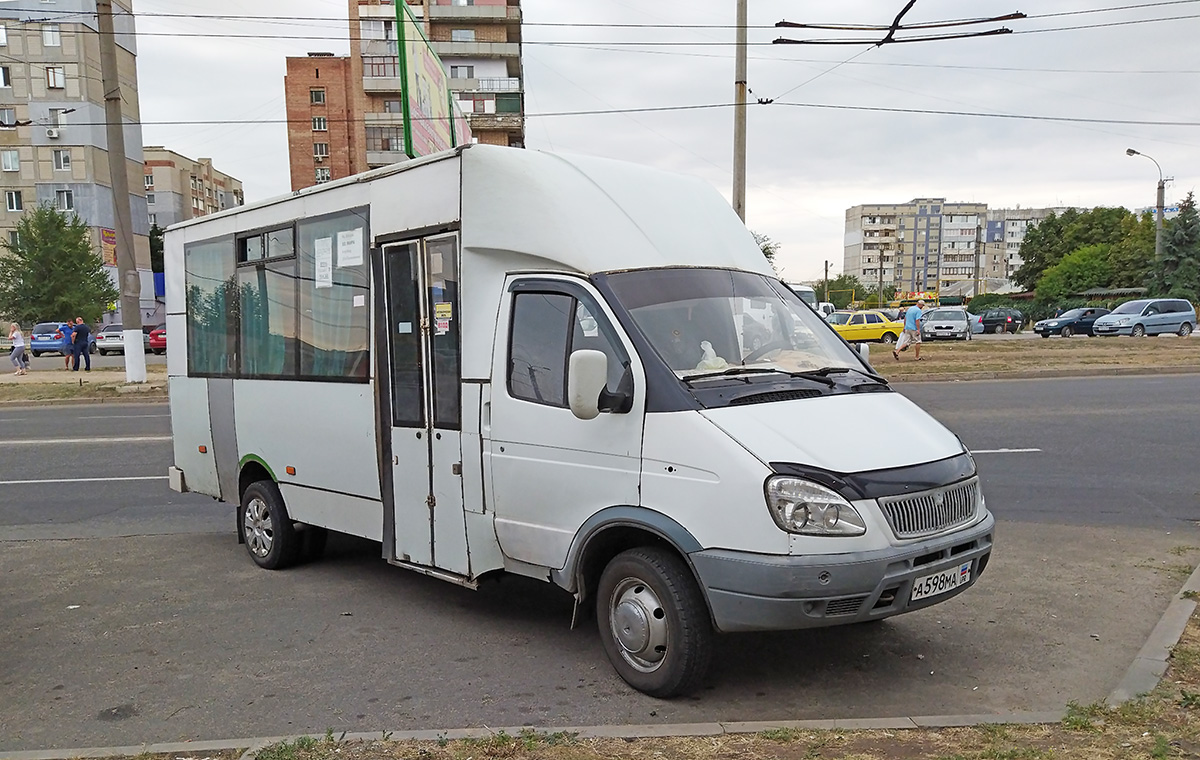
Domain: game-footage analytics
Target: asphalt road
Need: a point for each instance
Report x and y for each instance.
(151, 624)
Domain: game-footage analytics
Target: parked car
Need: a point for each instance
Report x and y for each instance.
(1148, 316)
(976, 323)
(158, 339)
(55, 338)
(111, 340)
(946, 322)
(1001, 320)
(1071, 322)
(863, 326)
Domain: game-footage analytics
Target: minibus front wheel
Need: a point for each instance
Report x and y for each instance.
(653, 622)
(270, 536)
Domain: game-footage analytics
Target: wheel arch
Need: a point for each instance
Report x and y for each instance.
(252, 468)
(611, 531)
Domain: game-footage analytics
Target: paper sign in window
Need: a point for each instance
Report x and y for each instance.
(350, 252)
(323, 253)
(443, 310)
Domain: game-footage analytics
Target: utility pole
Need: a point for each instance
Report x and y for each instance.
(827, 298)
(129, 281)
(1160, 207)
(978, 237)
(739, 115)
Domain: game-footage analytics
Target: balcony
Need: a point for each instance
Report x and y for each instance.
(375, 119)
(383, 84)
(377, 158)
(487, 84)
(382, 48)
(475, 13)
(508, 122)
(477, 49)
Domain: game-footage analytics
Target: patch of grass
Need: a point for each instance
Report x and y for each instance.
(1083, 717)
(1179, 551)
(781, 735)
(1192, 595)
(1161, 749)
(292, 750)
(1188, 700)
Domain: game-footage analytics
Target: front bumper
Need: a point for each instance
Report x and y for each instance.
(956, 335)
(756, 592)
(1112, 329)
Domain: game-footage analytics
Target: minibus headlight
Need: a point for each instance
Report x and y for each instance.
(801, 506)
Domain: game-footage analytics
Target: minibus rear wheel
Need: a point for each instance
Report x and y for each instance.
(653, 622)
(270, 537)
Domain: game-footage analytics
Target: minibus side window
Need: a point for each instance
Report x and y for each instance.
(541, 326)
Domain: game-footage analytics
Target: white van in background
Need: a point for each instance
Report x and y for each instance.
(809, 296)
(494, 360)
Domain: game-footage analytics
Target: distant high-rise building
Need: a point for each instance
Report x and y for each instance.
(345, 113)
(53, 144)
(179, 188)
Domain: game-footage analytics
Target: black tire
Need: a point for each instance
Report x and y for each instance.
(92, 348)
(159, 351)
(998, 329)
(271, 540)
(653, 587)
(1066, 332)
(1185, 329)
(888, 338)
(36, 354)
(1138, 331)
(103, 352)
(1046, 335)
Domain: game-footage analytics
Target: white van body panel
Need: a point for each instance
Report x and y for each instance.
(189, 431)
(828, 432)
(703, 479)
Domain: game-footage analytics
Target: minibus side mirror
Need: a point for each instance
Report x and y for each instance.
(587, 375)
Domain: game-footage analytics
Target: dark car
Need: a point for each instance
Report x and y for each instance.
(54, 338)
(1072, 322)
(1002, 319)
(158, 339)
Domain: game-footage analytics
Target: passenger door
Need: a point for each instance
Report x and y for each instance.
(551, 471)
(855, 327)
(425, 389)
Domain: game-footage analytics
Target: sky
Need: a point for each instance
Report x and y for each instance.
(220, 96)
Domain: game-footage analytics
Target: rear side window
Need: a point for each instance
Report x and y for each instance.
(874, 319)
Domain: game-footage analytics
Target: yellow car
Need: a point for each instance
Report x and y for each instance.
(862, 326)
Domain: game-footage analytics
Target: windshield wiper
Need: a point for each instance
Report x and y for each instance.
(825, 372)
(736, 370)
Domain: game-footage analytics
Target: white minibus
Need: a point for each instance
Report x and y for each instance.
(494, 360)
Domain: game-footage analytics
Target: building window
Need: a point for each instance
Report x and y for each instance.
(10, 161)
(150, 199)
(3, 35)
(462, 72)
(320, 124)
(380, 66)
(14, 238)
(62, 160)
(51, 37)
(321, 150)
(392, 106)
(317, 97)
(148, 180)
(323, 174)
(462, 35)
(64, 200)
(462, 2)
(8, 118)
(12, 200)
(385, 139)
(509, 103)
(56, 77)
(5, 76)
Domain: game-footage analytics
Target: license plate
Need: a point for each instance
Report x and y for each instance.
(940, 583)
(945, 332)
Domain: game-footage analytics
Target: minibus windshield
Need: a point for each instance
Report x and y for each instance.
(701, 321)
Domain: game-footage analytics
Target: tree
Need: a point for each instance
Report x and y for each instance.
(52, 271)
(1088, 267)
(1055, 237)
(769, 247)
(1132, 257)
(842, 290)
(1177, 273)
(156, 248)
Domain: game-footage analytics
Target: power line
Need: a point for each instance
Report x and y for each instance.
(1111, 23)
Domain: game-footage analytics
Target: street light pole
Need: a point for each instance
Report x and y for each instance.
(1159, 208)
(739, 115)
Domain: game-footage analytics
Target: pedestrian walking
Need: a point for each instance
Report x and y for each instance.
(912, 331)
(79, 344)
(17, 357)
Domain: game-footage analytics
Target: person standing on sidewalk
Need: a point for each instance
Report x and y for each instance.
(79, 344)
(912, 331)
(18, 358)
(70, 352)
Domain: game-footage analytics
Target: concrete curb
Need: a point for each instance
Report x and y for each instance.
(651, 731)
(1148, 667)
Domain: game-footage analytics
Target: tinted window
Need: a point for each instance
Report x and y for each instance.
(946, 315)
(46, 328)
(335, 299)
(1130, 307)
(857, 319)
(537, 356)
(211, 296)
(838, 318)
(874, 319)
(1074, 314)
(267, 299)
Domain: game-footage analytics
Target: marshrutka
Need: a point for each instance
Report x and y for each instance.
(493, 360)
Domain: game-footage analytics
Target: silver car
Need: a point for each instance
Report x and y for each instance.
(111, 340)
(946, 323)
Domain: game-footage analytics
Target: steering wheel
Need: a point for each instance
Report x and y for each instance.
(762, 351)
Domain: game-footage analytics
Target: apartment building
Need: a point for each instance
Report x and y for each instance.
(345, 113)
(53, 146)
(925, 244)
(180, 188)
(1005, 232)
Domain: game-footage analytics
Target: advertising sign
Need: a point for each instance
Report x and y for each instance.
(108, 247)
(432, 121)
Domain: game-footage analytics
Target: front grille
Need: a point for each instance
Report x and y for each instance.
(933, 511)
(844, 606)
(772, 396)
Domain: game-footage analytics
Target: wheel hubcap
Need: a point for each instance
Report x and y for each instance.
(257, 524)
(639, 624)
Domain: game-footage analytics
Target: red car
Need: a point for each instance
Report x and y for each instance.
(158, 339)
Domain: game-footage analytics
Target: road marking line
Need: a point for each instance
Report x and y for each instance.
(52, 441)
(1004, 451)
(79, 480)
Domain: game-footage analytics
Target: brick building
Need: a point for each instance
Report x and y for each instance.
(180, 188)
